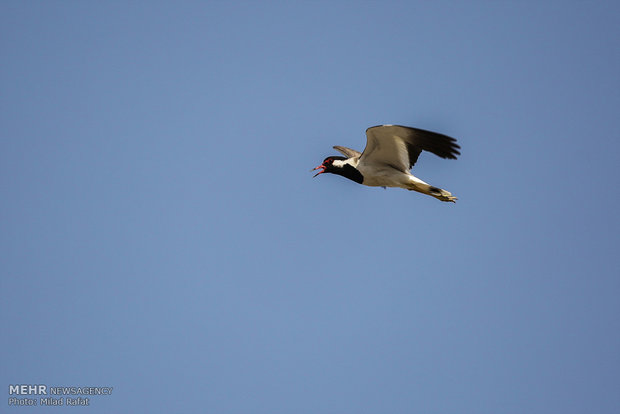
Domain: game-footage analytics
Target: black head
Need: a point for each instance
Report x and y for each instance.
(344, 169)
(328, 165)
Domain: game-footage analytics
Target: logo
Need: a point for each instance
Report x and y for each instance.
(42, 394)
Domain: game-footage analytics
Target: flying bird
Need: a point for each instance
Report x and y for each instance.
(391, 151)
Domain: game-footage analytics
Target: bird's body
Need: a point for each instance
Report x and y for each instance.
(391, 151)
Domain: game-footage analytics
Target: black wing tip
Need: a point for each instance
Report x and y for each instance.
(453, 153)
(444, 146)
(454, 150)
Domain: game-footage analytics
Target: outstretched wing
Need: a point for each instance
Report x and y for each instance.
(348, 152)
(400, 146)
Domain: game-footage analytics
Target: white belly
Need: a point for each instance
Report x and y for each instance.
(388, 177)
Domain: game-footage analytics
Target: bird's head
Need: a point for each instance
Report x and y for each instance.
(328, 165)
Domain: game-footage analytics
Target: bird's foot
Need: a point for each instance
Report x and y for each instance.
(442, 195)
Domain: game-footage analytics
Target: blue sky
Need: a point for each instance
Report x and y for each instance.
(161, 233)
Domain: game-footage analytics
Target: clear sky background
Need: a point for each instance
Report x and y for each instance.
(161, 233)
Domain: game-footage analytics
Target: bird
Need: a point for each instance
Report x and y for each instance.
(391, 151)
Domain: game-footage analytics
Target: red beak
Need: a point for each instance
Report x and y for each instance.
(320, 172)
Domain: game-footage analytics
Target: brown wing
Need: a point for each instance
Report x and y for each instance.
(401, 146)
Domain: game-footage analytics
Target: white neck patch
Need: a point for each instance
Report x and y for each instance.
(349, 161)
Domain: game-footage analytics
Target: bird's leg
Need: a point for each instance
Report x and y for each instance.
(420, 186)
(441, 194)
